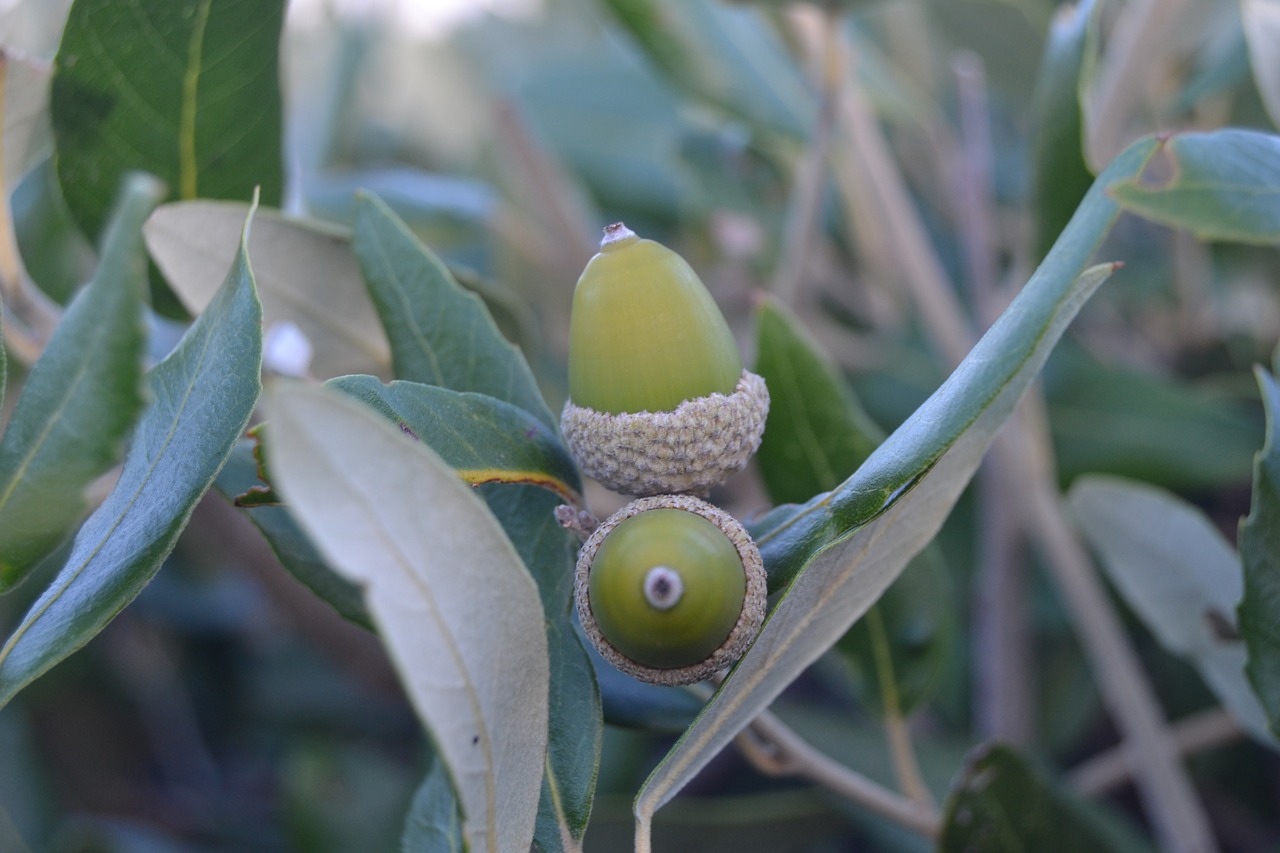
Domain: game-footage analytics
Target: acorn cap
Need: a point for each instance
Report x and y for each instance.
(691, 449)
(750, 590)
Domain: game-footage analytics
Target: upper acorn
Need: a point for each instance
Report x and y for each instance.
(658, 400)
(645, 334)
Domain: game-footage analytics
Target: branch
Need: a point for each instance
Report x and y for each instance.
(775, 749)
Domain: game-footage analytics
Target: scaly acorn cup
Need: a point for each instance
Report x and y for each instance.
(670, 589)
(659, 402)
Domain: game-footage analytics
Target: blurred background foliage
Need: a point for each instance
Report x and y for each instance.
(229, 709)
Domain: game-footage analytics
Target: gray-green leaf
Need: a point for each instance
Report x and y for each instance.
(202, 396)
(81, 398)
(1179, 575)
(1223, 185)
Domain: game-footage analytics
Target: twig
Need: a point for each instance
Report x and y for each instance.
(1166, 792)
(805, 205)
(900, 748)
(774, 748)
(1197, 733)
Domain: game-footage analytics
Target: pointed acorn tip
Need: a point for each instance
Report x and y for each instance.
(616, 233)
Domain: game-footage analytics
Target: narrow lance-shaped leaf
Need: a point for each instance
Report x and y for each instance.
(1260, 554)
(847, 546)
(1223, 185)
(455, 606)
(202, 396)
(816, 436)
(187, 90)
(81, 398)
(1179, 575)
(1059, 176)
(440, 333)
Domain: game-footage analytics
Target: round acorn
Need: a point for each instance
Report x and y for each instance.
(659, 401)
(670, 589)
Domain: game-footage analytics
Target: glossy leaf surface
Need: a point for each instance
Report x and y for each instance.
(80, 400)
(440, 333)
(186, 90)
(201, 399)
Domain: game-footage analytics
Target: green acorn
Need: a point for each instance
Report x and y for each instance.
(658, 399)
(670, 589)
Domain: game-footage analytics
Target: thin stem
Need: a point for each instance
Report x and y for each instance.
(901, 750)
(1197, 733)
(1163, 785)
(805, 205)
(774, 748)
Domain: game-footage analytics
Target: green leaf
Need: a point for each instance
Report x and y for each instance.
(80, 399)
(816, 436)
(1260, 553)
(847, 546)
(187, 90)
(1059, 176)
(306, 273)
(1111, 420)
(724, 55)
(484, 439)
(440, 333)
(1223, 185)
(291, 546)
(1179, 575)
(433, 824)
(1000, 804)
(454, 604)
(1261, 21)
(573, 744)
(202, 396)
(817, 432)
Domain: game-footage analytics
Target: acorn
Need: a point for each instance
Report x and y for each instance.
(670, 589)
(659, 401)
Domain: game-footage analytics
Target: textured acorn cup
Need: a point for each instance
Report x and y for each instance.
(658, 399)
(670, 589)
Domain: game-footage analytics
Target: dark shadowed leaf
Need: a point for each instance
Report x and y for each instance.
(440, 333)
(80, 399)
(1000, 804)
(187, 90)
(202, 396)
(290, 544)
(1260, 554)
